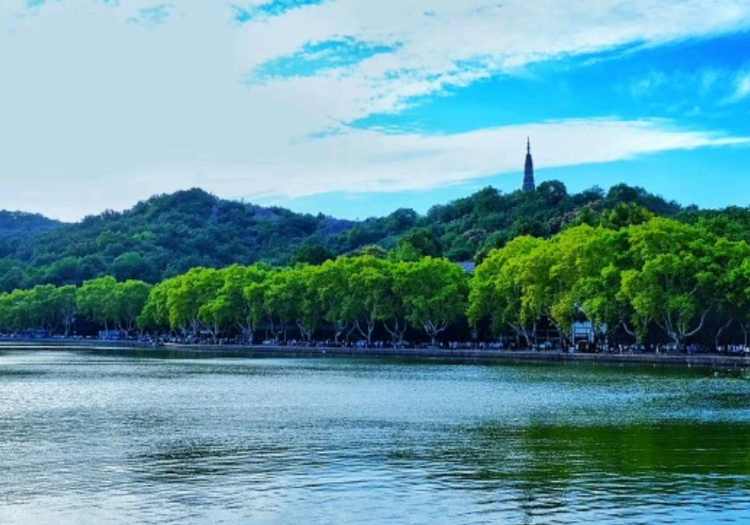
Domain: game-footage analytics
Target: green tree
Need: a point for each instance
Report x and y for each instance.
(186, 296)
(733, 286)
(131, 297)
(290, 299)
(257, 306)
(497, 290)
(393, 310)
(229, 309)
(129, 265)
(418, 242)
(312, 253)
(96, 300)
(332, 282)
(155, 313)
(368, 290)
(434, 294)
(66, 307)
(675, 276)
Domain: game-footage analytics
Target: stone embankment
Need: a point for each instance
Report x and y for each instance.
(720, 361)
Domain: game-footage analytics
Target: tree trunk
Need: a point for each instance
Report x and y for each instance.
(339, 328)
(717, 338)
(433, 330)
(370, 329)
(635, 334)
(684, 333)
(304, 331)
(397, 332)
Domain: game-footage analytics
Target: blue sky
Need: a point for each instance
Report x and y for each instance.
(356, 108)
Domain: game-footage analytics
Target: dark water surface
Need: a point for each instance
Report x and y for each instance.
(96, 438)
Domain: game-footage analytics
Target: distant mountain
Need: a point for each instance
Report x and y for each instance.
(168, 234)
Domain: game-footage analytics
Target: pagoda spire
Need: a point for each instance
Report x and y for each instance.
(528, 171)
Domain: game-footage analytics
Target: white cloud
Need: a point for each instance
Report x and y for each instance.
(97, 111)
(741, 87)
(437, 38)
(648, 84)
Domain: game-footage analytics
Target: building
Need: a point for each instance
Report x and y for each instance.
(528, 170)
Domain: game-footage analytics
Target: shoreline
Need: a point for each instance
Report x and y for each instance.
(717, 361)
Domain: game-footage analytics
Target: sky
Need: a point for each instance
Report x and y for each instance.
(358, 107)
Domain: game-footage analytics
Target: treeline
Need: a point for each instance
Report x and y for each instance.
(650, 280)
(167, 235)
(102, 302)
(342, 296)
(660, 280)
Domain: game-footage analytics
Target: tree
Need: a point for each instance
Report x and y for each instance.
(368, 291)
(674, 277)
(187, 294)
(254, 295)
(12, 276)
(434, 294)
(393, 311)
(15, 314)
(131, 297)
(497, 290)
(155, 313)
(567, 269)
(64, 299)
(419, 242)
(97, 300)
(541, 290)
(64, 271)
(312, 253)
(733, 286)
(588, 267)
(229, 309)
(332, 282)
(129, 265)
(290, 299)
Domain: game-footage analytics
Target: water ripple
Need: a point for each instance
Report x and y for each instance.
(93, 437)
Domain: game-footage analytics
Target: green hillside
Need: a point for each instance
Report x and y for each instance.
(162, 236)
(169, 234)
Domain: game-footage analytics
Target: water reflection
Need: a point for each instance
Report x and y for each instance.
(181, 461)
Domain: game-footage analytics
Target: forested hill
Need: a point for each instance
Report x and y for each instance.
(468, 227)
(17, 224)
(168, 234)
(160, 237)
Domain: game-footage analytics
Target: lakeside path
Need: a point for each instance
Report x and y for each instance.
(718, 361)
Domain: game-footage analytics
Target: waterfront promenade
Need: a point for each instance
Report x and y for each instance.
(719, 361)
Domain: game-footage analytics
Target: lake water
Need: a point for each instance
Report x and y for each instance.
(89, 437)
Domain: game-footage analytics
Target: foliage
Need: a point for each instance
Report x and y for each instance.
(434, 293)
(627, 261)
(159, 238)
(168, 235)
(660, 273)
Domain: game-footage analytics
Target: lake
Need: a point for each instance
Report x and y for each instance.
(122, 437)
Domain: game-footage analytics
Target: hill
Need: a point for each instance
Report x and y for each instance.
(168, 234)
(468, 227)
(18, 224)
(159, 237)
